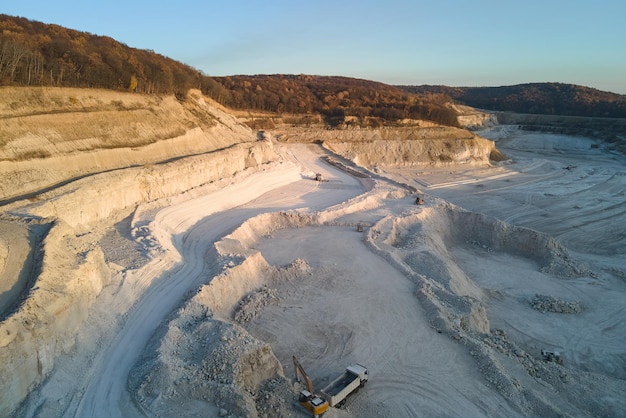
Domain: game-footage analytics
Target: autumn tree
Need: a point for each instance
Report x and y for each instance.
(132, 86)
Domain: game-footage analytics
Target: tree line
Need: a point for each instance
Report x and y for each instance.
(336, 98)
(536, 98)
(38, 54)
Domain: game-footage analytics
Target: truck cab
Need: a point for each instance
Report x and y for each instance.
(360, 371)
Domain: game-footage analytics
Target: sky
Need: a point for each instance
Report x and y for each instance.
(411, 42)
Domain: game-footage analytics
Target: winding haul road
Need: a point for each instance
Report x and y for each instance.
(192, 227)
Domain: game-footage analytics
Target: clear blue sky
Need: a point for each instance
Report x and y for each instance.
(456, 43)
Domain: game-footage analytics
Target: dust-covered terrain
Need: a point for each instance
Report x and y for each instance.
(184, 287)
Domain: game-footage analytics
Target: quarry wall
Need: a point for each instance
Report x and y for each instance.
(415, 153)
(48, 135)
(611, 130)
(401, 147)
(73, 272)
(115, 151)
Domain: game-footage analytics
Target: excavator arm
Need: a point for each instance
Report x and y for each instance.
(298, 367)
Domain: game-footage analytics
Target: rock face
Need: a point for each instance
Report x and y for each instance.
(415, 153)
(73, 271)
(110, 143)
(51, 135)
(402, 147)
(471, 118)
(610, 130)
(93, 199)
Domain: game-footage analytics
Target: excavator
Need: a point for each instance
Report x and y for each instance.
(308, 399)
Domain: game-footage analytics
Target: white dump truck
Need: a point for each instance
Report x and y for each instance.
(350, 381)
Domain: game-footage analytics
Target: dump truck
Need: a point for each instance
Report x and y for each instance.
(350, 381)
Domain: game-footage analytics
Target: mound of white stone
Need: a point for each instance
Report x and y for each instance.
(545, 303)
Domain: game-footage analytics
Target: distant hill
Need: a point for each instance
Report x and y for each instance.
(38, 54)
(333, 97)
(535, 98)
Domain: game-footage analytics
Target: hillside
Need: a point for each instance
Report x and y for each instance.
(337, 99)
(39, 54)
(536, 98)
(53, 135)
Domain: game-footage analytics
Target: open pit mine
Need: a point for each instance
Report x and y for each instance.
(160, 258)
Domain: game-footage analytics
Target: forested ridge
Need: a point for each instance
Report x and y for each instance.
(334, 97)
(536, 98)
(39, 54)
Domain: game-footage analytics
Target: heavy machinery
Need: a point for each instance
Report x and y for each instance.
(349, 382)
(308, 399)
(553, 356)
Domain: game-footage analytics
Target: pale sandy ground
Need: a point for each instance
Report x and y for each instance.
(412, 297)
(566, 187)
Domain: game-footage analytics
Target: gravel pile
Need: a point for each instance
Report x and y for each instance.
(250, 306)
(544, 303)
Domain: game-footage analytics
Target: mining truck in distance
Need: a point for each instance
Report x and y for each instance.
(349, 382)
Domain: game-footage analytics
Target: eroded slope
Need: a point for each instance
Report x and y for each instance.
(52, 135)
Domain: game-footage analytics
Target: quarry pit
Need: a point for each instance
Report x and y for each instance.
(183, 286)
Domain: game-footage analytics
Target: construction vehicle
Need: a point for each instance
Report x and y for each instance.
(313, 403)
(552, 356)
(350, 381)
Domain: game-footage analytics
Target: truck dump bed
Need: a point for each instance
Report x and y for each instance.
(348, 382)
(340, 384)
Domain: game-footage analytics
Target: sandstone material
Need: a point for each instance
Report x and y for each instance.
(50, 135)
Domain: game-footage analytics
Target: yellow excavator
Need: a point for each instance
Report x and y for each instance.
(308, 399)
